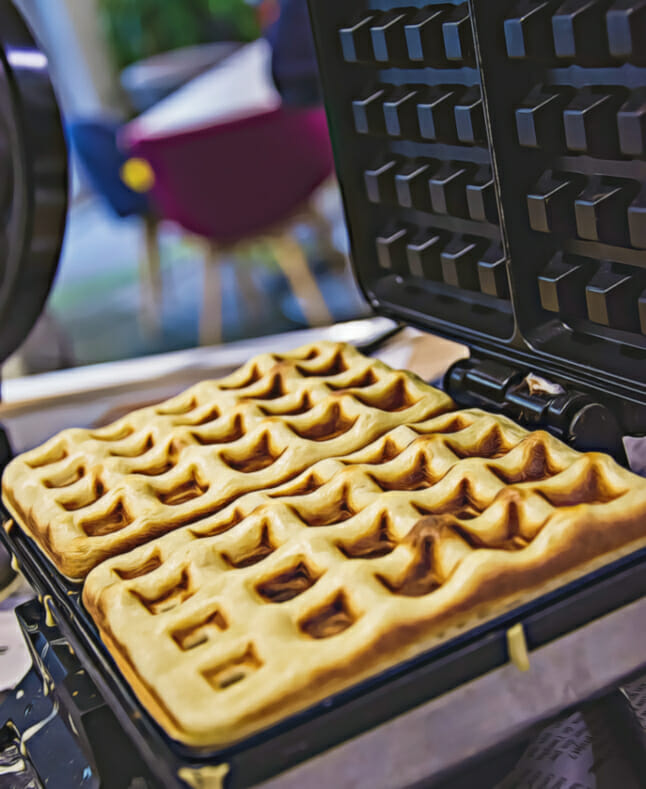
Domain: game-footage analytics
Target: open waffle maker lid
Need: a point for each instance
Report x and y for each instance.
(491, 157)
(33, 181)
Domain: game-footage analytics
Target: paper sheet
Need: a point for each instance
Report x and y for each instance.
(14, 656)
(578, 752)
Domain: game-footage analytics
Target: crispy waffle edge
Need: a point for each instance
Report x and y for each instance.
(72, 553)
(387, 649)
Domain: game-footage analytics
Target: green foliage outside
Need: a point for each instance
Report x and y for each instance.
(137, 29)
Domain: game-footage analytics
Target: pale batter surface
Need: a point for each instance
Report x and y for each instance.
(86, 495)
(302, 525)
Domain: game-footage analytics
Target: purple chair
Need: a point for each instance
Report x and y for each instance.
(242, 181)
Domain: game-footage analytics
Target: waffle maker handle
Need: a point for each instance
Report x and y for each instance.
(33, 180)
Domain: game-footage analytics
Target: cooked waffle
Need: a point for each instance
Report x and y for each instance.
(88, 495)
(289, 595)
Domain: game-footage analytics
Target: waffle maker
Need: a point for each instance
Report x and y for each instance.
(490, 155)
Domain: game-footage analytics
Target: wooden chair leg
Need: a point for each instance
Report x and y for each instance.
(151, 279)
(252, 297)
(211, 317)
(324, 232)
(293, 263)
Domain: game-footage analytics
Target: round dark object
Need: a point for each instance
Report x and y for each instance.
(595, 429)
(33, 181)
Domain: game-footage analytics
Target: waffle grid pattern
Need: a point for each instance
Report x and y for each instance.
(286, 596)
(261, 542)
(87, 495)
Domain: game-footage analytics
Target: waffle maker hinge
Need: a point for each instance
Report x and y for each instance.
(571, 415)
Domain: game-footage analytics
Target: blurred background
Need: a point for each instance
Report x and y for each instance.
(203, 202)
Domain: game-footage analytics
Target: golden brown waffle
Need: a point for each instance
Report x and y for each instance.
(87, 495)
(289, 595)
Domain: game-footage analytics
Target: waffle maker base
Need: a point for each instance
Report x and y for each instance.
(463, 697)
(407, 688)
(56, 709)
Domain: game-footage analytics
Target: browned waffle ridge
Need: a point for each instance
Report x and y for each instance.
(339, 563)
(289, 595)
(86, 495)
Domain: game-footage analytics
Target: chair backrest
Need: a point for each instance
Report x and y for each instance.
(95, 144)
(232, 180)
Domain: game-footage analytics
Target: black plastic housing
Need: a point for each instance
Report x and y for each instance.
(492, 160)
(33, 180)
